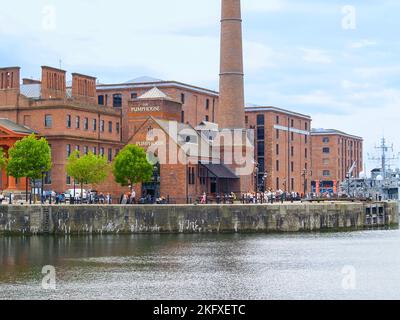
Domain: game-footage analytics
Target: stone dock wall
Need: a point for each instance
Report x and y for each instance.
(298, 217)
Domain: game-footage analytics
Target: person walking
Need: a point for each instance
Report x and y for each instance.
(132, 198)
(204, 198)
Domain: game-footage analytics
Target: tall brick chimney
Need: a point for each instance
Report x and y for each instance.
(84, 88)
(231, 113)
(9, 78)
(53, 83)
(9, 86)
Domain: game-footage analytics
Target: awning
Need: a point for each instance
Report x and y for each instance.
(220, 171)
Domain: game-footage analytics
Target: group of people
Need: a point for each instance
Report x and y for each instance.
(128, 198)
(271, 196)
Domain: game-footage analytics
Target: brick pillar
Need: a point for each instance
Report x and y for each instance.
(231, 111)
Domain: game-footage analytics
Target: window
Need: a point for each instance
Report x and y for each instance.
(48, 121)
(100, 100)
(77, 122)
(246, 120)
(292, 184)
(85, 150)
(102, 125)
(68, 150)
(68, 121)
(277, 184)
(68, 180)
(327, 161)
(110, 154)
(326, 173)
(277, 119)
(207, 104)
(86, 124)
(117, 127)
(192, 177)
(102, 151)
(94, 150)
(325, 140)
(277, 133)
(306, 126)
(182, 98)
(117, 100)
(277, 165)
(183, 116)
(207, 118)
(292, 166)
(277, 149)
(134, 95)
(261, 165)
(292, 151)
(292, 136)
(261, 149)
(260, 120)
(306, 153)
(306, 139)
(94, 124)
(326, 150)
(292, 123)
(260, 133)
(110, 126)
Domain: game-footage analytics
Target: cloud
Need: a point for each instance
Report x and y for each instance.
(264, 5)
(363, 43)
(316, 56)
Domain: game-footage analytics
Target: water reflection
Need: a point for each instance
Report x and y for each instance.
(306, 266)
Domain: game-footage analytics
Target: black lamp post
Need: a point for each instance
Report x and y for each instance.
(42, 189)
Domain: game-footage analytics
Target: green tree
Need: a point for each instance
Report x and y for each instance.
(3, 159)
(131, 166)
(29, 158)
(89, 169)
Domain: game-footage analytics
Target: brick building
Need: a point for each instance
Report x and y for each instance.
(334, 153)
(198, 104)
(283, 148)
(69, 118)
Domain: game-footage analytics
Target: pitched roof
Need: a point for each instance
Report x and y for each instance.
(31, 90)
(12, 126)
(144, 79)
(154, 93)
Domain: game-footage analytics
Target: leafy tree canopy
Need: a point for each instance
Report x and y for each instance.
(131, 166)
(89, 169)
(29, 157)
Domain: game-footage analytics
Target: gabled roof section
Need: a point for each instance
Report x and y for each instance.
(154, 93)
(14, 127)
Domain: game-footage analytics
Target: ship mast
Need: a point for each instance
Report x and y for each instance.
(384, 159)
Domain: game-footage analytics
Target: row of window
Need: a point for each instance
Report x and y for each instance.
(94, 150)
(277, 151)
(291, 166)
(117, 100)
(284, 186)
(48, 123)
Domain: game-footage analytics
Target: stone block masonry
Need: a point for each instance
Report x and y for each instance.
(83, 220)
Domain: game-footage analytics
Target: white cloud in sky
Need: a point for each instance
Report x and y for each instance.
(264, 5)
(316, 56)
(363, 43)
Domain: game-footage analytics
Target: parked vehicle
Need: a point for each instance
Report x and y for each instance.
(70, 194)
